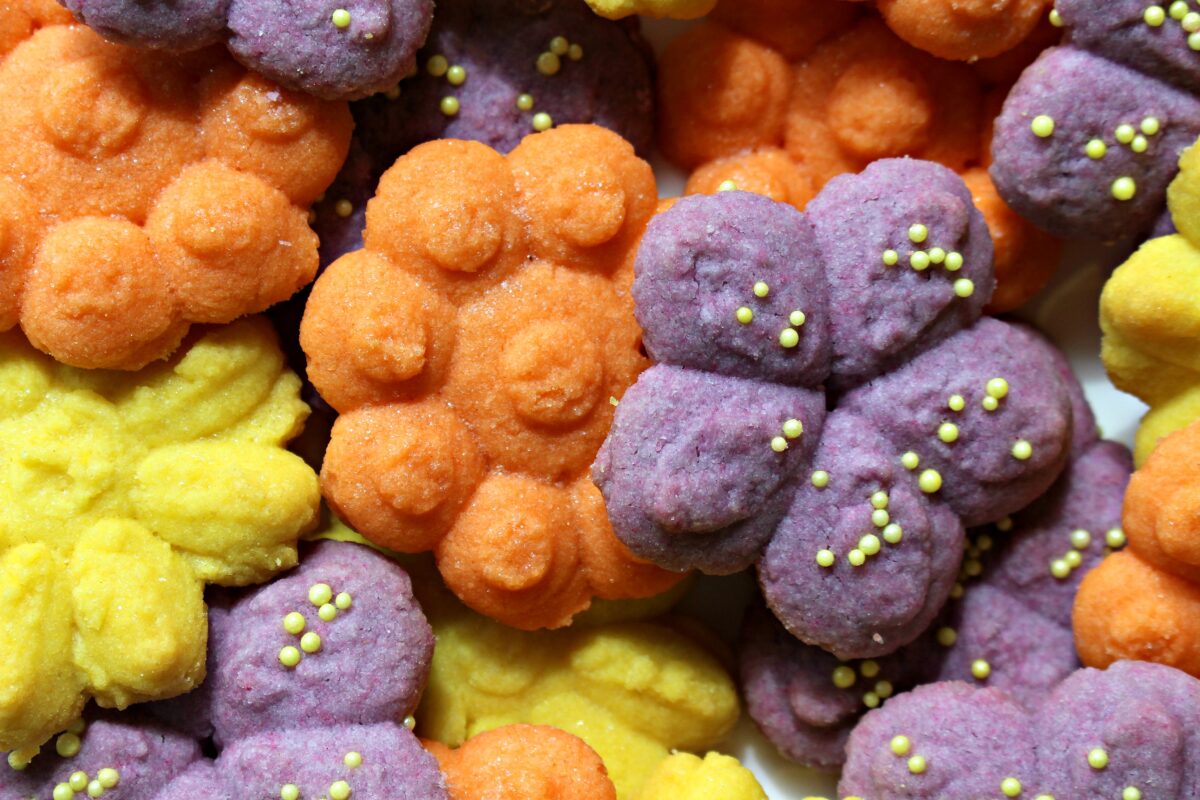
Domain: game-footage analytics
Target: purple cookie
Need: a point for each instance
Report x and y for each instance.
(1014, 614)
(145, 755)
(341, 51)
(1132, 730)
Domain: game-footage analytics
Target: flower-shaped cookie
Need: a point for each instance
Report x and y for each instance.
(474, 350)
(1008, 625)
(20, 18)
(1150, 315)
(582, 679)
(336, 51)
(309, 679)
(1127, 732)
(734, 110)
(940, 419)
(141, 192)
(1145, 603)
(123, 494)
(1089, 137)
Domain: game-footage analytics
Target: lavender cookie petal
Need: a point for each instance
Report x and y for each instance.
(1052, 180)
(689, 473)
(995, 461)
(698, 268)
(204, 780)
(881, 314)
(164, 24)
(887, 601)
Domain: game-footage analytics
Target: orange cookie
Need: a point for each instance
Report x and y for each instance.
(963, 30)
(523, 762)
(144, 192)
(1144, 603)
(475, 349)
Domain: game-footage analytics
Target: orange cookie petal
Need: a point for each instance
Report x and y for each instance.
(793, 27)
(963, 30)
(768, 171)
(1162, 506)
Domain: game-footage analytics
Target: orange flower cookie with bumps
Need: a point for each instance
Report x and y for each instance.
(779, 109)
(475, 349)
(141, 192)
(1144, 603)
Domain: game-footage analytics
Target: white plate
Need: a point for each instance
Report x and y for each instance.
(1066, 311)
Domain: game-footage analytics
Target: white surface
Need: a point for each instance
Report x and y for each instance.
(1066, 311)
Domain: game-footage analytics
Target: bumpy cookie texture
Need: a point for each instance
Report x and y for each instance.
(491, 333)
(20, 18)
(486, 675)
(1126, 732)
(1010, 608)
(334, 52)
(1089, 137)
(1151, 320)
(725, 446)
(143, 192)
(310, 677)
(100, 754)
(736, 112)
(963, 31)
(1143, 604)
(683, 776)
(524, 762)
(129, 492)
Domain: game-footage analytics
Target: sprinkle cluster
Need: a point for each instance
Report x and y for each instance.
(328, 608)
(338, 790)
(789, 337)
(870, 544)
(1180, 12)
(1137, 139)
(921, 259)
(845, 677)
(80, 781)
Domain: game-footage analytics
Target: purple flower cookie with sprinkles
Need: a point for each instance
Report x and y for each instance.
(1007, 625)
(335, 50)
(1128, 732)
(1090, 135)
(761, 318)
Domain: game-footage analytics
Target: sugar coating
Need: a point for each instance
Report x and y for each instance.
(1151, 322)
(307, 46)
(189, 208)
(144, 754)
(1015, 615)
(1099, 734)
(1143, 604)
(716, 451)
(277, 724)
(735, 111)
(486, 675)
(129, 492)
(477, 378)
(516, 762)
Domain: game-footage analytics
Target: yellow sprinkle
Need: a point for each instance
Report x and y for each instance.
(954, 261)
(981, 669)
(1190, 22)
(1004, 524)
(542, 122)
(1154, 16)
(1010, 787)
(964, 287)
(1124, 133)
(63, 791)
(880, 518)
(437, 66)
(108, 777)
(289, 791)
(937, 255)
(456, 75)
(410, 722)
(984, 542)
(559, 45)
(1095, 149)
(77, 727)
(525, 102)
(319, 594)
(327, 612)
(1060, 569)
(339, 790)
(392, 93)
(744, 315)
(1178, 9)
(1150, 126)
(449, 105)
(997, 388)
(825, 558)
(820, 478)
(1080, 539)
(779, 444)
(343, 208)
(1073, 559)
(1097, 758)
(548, 63)
(1114, 538)
(869, 668)
(930, 481)
(94, 789)
(1055, 18)
(917, 233)
(310, 642)
(1042, 126)
(343, 601)
(946, 637)
(856, 557)
(871, 700)
(789, 338)
(948, 432)
(910, 460)
(1022, 450)
(761, 289)
(294, 623)
(19, 759)
(917, 765)
(884, 689)
(289, 656)
(575, 52)
(1131, 793)
(797, 318)
(973, 567)
(900, 745)
(879, 500)
(78, 780)
(353, 759)
(919, 261)
(869, 545)
(341, 18)
(792, 428)
(67, 745)
(956, 402)
(893, 533)
(890, 258)
(1044, 797)
(1139, 144)
(1193, 41)
(1124, 188)
(844, 677)
(990, 403)
(727, 186)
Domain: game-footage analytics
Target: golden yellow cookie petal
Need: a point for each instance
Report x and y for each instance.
(683, 776)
